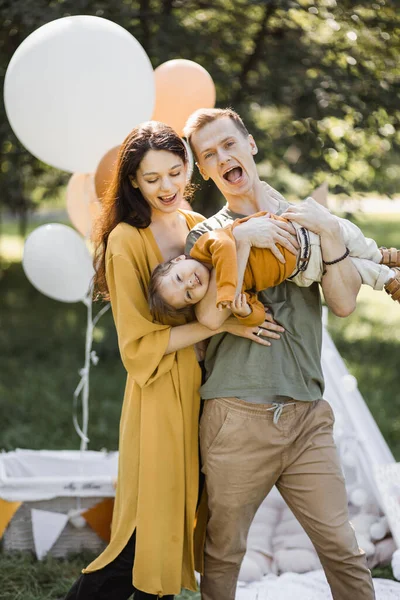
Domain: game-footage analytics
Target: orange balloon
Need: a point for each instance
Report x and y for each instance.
(82, 205)
(182, 86)
(104, 171)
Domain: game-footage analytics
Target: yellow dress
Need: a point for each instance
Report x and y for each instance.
(158, 445)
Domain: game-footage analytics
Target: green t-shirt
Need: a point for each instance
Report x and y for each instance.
(291, 366)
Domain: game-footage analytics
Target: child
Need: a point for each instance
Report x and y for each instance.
(180, 283)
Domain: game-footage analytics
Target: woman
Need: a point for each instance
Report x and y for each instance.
(156, 495)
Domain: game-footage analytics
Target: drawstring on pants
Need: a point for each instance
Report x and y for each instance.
(278, 407)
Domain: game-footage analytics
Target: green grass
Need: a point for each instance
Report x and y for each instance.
(42, 350)
(24, 578)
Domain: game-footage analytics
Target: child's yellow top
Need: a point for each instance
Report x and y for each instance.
(158, 448)
(263, 269)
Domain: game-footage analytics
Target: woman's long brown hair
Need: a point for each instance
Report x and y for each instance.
(124, 203)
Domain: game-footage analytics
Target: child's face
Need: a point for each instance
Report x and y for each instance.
(185, 283)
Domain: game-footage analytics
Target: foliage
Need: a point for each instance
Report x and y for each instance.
(25, 578)
(315, 80)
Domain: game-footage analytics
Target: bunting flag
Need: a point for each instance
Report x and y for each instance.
(46, 528)
(99, 518)
(7, 511)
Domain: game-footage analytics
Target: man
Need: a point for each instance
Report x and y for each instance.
(264, 419)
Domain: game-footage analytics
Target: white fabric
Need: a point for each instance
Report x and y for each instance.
(308, 586)
(44, 474)
(356, 433)
(46, 529)
(364, 253)
(387, 478)
(396, 564)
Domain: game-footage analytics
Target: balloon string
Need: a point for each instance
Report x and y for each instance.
(82, 388)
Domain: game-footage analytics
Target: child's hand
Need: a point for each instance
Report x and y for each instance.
(240, 306)
(225, 304)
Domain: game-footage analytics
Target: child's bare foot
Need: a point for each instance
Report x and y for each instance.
(390, 257)
(392, 287)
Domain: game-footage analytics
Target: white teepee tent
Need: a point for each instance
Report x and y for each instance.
(361, 445)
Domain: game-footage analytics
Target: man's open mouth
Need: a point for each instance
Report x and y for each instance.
(233, 175)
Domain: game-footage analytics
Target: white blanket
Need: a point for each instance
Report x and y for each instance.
(30, 475)
(308, 586)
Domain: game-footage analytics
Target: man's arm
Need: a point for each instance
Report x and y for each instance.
(341, 282)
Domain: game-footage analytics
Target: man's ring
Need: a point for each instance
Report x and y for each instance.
(259, 332)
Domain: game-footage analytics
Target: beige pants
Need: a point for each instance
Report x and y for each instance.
(244, 454)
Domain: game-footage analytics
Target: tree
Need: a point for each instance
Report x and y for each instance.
(315, 81)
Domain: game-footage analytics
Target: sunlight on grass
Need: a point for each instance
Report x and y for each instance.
(11, 248)
(376, 315)
(12, 244)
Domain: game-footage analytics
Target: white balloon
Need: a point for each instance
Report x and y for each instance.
(349, 459)
(57, 262)
(359, 497)
(75, 88)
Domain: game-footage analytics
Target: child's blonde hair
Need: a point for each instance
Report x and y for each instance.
(161, 310)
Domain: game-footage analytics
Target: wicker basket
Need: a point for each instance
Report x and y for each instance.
(19, 537)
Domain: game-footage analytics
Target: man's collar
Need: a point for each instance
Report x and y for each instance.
(271, 192)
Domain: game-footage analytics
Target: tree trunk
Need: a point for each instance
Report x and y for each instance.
(253, 58)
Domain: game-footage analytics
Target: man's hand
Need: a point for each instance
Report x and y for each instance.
(341, 281)
(263, 232)
(313, 216)
(240, 306)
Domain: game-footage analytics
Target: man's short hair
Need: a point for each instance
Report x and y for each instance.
(204, 116)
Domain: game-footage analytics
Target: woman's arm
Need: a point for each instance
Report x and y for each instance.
(341, 282)
(183, 336)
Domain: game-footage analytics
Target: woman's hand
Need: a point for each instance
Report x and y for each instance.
(268, 329)
(263, 232)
